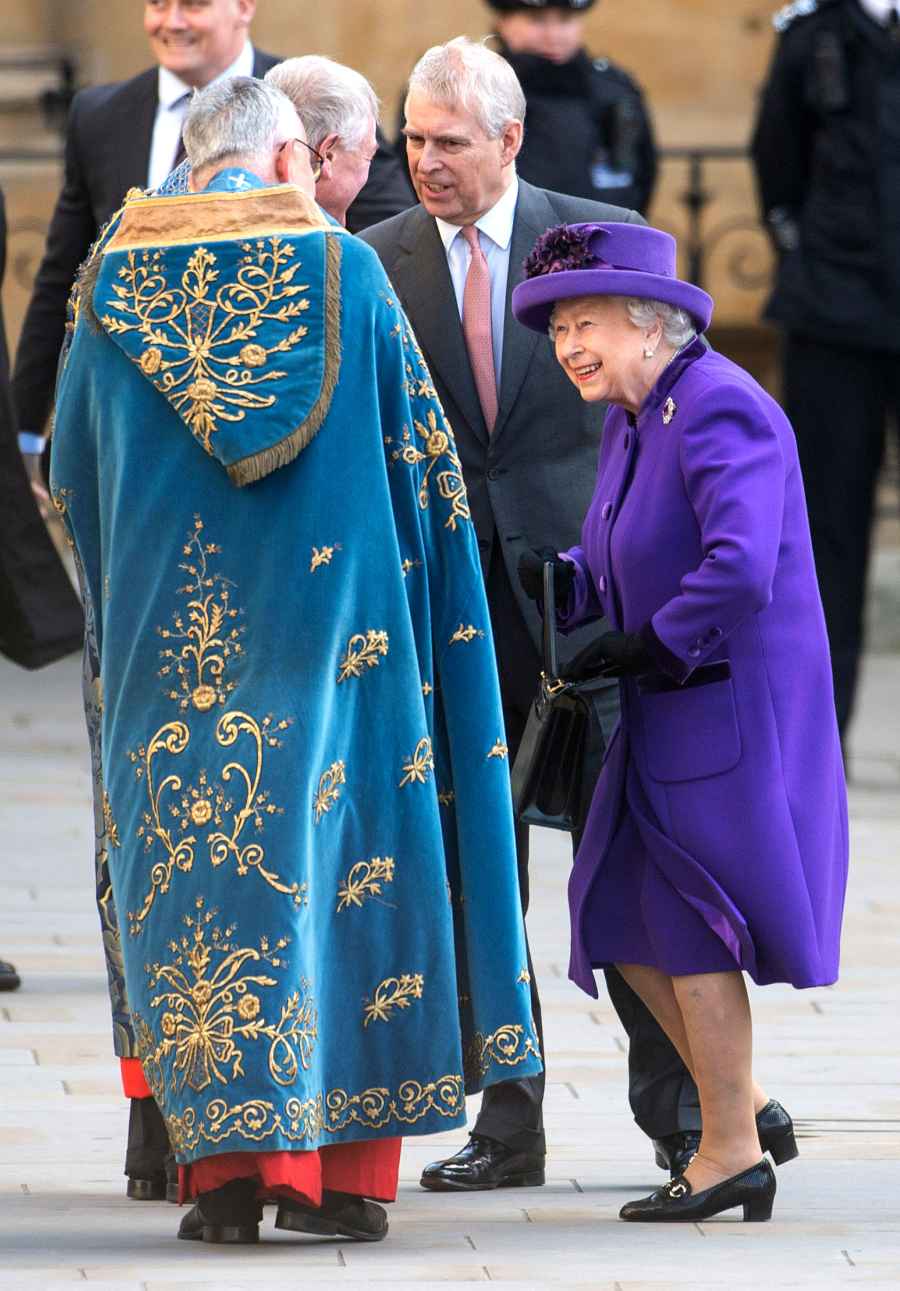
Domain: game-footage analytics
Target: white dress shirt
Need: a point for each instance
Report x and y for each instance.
(880, 10)
(174, 96)
(495, 230)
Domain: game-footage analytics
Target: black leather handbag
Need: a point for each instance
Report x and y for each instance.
(550, 774)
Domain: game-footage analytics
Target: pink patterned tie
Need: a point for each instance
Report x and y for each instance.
(476, 321)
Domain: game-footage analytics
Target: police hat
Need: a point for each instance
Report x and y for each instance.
(510, 6)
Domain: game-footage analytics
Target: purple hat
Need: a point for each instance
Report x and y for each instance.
(573, 260)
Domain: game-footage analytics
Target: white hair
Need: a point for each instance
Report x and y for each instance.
(677, 325)
(465, 74)
(329, 97)
(240, 118)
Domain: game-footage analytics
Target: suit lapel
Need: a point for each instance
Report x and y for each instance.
(421, 278)
(134, 132)
(533, 216)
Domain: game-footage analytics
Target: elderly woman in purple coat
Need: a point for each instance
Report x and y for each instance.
(716, 843)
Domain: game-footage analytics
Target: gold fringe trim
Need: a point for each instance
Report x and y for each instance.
(202, 217)
(258, 465)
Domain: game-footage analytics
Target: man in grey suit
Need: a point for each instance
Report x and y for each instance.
(528, 446)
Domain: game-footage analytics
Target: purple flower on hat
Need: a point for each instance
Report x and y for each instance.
(565, 246)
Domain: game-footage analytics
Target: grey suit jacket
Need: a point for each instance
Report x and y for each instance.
(531, 481)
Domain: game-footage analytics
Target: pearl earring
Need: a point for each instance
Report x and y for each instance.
(648, 353)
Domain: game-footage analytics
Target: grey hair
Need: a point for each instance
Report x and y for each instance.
(466, 73)
(329, 97)
(239, 117)
(677, 325)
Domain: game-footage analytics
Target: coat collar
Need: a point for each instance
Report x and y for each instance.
(669, 377)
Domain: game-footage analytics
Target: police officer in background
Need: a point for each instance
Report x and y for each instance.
(587, 130)
(827, 153)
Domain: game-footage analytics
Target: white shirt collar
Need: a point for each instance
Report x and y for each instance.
(496, 224)
(880, 10)
(171, 88)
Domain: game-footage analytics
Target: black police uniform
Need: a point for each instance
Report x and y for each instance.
(827, 153)
(587, 129)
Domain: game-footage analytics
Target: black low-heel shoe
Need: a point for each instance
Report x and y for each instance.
(677, 1203)
(776, 1133)
(146, 1189)
(340, 1215)
(228, 1215)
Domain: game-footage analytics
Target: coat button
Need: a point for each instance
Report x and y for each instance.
(601, 583)
(715, 633)
(694, 652)
(606, 511)
(493, 473)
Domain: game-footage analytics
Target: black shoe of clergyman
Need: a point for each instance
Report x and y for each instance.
(229, 1214)
(340, 1215)
(172, 1179)
(152, 1189)
(677, 1203)
(484, 1164)
(674, 1152)
(9, 978)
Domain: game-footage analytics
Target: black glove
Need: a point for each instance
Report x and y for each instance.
(614, 654)
(531, 573)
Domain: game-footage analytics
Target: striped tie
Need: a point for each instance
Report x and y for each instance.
(476, 321)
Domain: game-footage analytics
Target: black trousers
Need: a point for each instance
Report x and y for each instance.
(662, 1094)
(148, 1140)
(840, 401)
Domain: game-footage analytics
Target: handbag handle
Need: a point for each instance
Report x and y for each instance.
(551, 656)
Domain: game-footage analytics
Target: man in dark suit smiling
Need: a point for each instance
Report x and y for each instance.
(528, 447)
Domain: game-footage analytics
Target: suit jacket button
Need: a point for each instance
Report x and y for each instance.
(606, 511)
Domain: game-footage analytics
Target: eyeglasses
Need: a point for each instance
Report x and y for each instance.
(317, 164)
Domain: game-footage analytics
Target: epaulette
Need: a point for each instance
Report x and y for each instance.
(787, 16)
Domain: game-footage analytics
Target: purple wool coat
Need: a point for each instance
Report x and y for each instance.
(717, 836)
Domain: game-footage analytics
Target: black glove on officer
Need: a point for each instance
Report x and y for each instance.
(613, 654)
(531, 573)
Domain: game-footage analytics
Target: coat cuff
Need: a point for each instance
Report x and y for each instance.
(661, 655)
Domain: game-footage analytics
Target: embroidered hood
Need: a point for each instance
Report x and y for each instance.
(229, 303)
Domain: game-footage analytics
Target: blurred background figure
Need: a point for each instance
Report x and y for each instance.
(587, 128)
(40, 618)
(339, 111)
(827, 154)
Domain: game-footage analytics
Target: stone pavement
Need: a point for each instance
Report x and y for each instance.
(831, 1056)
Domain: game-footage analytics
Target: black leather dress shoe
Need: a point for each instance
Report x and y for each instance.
(9, 978)
(677, 1203)
(484, 1164)
(172, 1179)
(776, 1133)
(340, 1215)
(227, 1215)
(674, 1152)
(152, 1189)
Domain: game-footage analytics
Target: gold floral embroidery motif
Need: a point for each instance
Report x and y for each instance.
(437, 447)
(408, 566)
(329, 792)
(427, 688)
(393, 993)
(500, 750)
(418, 768)
(200, 346)
(209, 633)
(322, 556)
(446, 797)
(465, 633)
(365, 881)
(210, 1003)
(172, 738)
(524, 978)
(364, 650)
(508, 1046)
(413, 1100)
(109, 824)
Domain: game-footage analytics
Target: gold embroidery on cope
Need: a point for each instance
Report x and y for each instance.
(508, 1046)
(365, 881)
(500, 750)
(200, 342)
(329, 791)
(364, 650)
(418, 768)
(210, 1003)
(465, 633)
(446, 797)
(322, 556)
(393, 993)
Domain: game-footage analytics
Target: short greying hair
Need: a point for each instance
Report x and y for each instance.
(677, 325)
(329, 97)
(238, 117)
(463, 73)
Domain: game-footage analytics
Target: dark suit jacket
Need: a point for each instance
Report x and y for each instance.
(107, 152)
(40, 618)
(530, 482)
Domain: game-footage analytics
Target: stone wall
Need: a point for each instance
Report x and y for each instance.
(700, 62)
